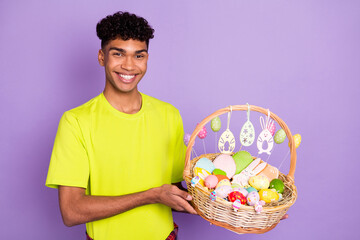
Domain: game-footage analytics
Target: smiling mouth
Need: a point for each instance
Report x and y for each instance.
(126, 78)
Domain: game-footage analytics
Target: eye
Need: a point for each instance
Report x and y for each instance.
(139, 56)
(117, 54)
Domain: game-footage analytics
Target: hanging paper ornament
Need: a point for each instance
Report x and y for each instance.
(280, 136)
(297, 140)
(265, 137)
(247, 133)
(227, 140)
(216, 124)
(272, 127)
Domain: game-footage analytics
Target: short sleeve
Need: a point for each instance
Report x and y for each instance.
(69, 164)
(179, 151)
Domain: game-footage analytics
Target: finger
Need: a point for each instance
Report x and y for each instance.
(286, 216)
(185, 205)
(183, 194)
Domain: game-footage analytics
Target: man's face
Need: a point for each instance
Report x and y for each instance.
(125, 64)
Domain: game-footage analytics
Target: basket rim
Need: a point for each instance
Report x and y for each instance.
(293, 155)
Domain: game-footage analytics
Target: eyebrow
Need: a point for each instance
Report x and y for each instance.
(123, 50)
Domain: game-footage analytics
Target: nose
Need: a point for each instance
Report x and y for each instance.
(128, 64)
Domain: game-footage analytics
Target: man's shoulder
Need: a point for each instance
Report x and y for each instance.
(159, 104)
(84, 109)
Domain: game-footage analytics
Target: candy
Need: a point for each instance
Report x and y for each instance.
(216, 124)
(213, 195)
(195, 181)
(237, 205)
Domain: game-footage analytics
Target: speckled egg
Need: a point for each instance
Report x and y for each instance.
(268, 195)
(252, 198)
(233, 196)
(223, 183)
(259, 182)
(223, 191)
(242, 190)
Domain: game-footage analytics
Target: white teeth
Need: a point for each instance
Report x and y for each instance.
(127, 77)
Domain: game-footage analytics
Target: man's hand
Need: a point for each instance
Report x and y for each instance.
(175, 198)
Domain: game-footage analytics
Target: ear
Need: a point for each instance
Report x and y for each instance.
(101, 57)
(259, 168)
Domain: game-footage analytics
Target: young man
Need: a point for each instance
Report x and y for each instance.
(116, 157)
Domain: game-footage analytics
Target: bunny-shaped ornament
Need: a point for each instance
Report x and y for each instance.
(254, 168)
(265, 136)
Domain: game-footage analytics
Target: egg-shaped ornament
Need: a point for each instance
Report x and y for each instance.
(187, 139)
(223, 191)
(211, 181)
(280, 136)
(268, 195)
(216, 124)
(252, 198)
(297, 140)
(272, 127)
(259, 182)
(247, 133)
(206, 164)
(226, 142)
(203, 132)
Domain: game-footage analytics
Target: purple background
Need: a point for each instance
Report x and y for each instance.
(298, 58)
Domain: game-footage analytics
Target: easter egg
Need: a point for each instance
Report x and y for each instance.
(206, 164)
(233, 196)
(211, 181)
(268, 195)
(297, 140)
(280, 136)
(202, 173)
(203, 132)
(226, 163)
(259, 182)
(215, 124)
(223, 191)
(242, 159)
(252, 198)
(235, 185)
(241, 190)
(186, 138)
(278, 185)
(221, 177)
(251, 189)
(223, 183)
(272, 127)
(218, 172)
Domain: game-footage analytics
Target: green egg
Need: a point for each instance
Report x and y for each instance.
(278, 185)
(218, 172)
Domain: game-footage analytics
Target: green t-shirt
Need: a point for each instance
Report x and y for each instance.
(111, 153)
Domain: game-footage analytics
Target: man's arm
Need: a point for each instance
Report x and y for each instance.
(76, 207)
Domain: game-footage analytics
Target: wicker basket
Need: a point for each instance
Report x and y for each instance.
(220, 211)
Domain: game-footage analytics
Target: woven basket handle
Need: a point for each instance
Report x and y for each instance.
(242, 108)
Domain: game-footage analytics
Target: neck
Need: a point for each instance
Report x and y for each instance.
(129, 103)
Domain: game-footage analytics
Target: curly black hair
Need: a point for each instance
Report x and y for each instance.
(124, 25)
